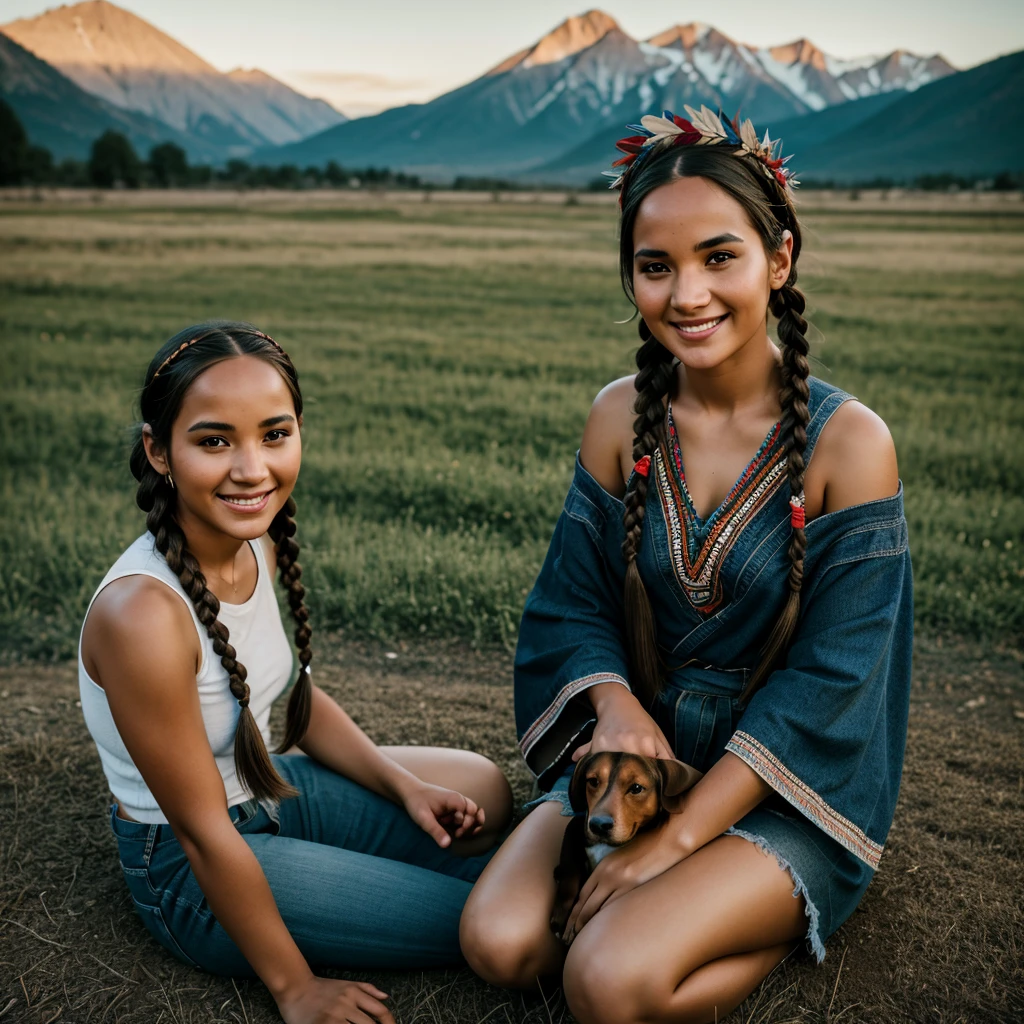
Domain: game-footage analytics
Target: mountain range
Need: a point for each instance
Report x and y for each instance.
(123, 60)
(588, 78)
(549, 113)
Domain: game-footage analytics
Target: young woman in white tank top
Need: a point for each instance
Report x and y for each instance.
(240, 861)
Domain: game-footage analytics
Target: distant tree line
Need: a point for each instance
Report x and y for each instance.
(113, 163)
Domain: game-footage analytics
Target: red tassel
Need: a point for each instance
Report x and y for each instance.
(643, 466)
(797, 515)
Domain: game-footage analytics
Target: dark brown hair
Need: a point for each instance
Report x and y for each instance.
(771, 211)
(171, 373)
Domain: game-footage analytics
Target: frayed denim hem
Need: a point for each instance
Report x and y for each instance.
(813, 936)
(558, 796)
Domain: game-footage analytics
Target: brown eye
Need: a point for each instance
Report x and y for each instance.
(592, 781)
(636, 789)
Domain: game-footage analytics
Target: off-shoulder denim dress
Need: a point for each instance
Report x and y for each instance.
(826, 731)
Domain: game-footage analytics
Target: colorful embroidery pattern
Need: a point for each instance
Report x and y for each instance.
(801, 796)
(554, 709)
(698, 550)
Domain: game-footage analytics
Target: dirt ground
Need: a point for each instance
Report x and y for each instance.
(938, 938)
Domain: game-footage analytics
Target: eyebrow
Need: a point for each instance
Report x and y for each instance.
(708, 243)
(214, 425)
(209, 425)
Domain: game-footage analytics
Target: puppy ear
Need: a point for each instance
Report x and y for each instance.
(676, 778)
(578, 784)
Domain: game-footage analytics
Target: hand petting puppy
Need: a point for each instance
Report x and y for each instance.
(622, 724)
(640, 860)
(618, 838)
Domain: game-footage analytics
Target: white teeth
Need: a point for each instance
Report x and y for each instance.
(244, 501)
(698, 328)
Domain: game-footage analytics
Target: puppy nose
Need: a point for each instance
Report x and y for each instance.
(602, 825)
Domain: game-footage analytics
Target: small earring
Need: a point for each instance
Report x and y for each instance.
(170, 480)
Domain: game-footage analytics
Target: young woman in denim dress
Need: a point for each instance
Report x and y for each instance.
(340, 853)
(729, 583)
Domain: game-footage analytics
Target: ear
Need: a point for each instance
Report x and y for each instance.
(578, 784)
(676, 778)
(781, 262)
(155, 452)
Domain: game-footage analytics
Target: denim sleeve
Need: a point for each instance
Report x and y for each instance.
(571, 635)
(827, 731)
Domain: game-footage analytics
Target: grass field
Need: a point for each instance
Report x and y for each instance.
(449, 351)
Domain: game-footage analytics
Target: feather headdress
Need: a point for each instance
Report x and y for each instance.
(704, 128)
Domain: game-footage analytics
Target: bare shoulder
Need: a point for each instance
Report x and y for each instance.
(857, 458)
(608, 435)
(137, 620)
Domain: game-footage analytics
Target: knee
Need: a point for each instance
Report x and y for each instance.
(501, 946)
(605, 982)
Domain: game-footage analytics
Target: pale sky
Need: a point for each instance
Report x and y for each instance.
(374, 54)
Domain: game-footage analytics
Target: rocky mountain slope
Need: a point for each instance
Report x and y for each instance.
(129, 63)
(66, 119)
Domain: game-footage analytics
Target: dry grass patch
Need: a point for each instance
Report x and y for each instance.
(937, 938)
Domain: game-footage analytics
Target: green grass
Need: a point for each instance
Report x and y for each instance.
(449, 354)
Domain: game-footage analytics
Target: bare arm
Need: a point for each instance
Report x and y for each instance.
(337, 742)
(141, 641)
(143, 644)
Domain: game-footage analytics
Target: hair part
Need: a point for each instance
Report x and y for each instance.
(770, 210)
(173, 370)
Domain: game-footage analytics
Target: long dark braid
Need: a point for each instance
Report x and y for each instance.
(172, 371)
(788, 304)
(771, 211)
(282, 532)
(653, 383)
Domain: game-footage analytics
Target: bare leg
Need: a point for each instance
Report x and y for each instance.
(723, 984)
(468, 773)
(504, 932)
(689, 945)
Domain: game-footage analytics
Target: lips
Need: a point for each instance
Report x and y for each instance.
(246, 503)
(698, 328)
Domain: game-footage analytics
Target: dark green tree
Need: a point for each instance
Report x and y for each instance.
(21, 163)
(114, 161)
(13, 146)
(168, 165)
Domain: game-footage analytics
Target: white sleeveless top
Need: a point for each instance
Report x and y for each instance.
(258, 636)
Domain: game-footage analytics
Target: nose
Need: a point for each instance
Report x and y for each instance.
(691, 292)
(248, 466)
(602, 825)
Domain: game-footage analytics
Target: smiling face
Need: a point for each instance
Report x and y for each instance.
(234, 449)
(701, 276)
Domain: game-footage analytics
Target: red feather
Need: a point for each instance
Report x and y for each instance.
(632, 143)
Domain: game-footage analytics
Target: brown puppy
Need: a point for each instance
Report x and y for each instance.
(621, 795)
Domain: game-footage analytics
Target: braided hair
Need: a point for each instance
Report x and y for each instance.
(770, 208)
(171, 373)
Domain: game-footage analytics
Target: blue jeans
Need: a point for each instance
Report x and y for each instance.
(358, 884)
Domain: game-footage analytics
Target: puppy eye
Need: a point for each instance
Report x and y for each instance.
(636, 789)
(592, 781)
